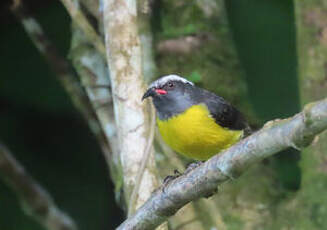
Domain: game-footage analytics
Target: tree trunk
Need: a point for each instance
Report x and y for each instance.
(124, 56)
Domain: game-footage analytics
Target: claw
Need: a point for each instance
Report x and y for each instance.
(169, 179)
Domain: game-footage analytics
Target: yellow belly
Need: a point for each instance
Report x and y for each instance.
(195, 134)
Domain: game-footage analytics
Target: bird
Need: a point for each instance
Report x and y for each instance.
(194, 122)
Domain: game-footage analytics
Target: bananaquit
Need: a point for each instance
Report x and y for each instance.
(192, 121)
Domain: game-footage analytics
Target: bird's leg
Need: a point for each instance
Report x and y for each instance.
(192, 166)
(169, 179)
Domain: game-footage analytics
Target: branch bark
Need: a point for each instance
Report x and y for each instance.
(125, 66)
(275, 136)
(93, 72)
(80, 19)
(35, 200)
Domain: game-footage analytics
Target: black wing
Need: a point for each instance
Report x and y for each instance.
(223, 112)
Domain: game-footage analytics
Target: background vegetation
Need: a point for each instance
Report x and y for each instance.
(247, 51)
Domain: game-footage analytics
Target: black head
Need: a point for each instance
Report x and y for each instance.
(171, 95)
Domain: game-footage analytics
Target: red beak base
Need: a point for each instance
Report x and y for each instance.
(161, 91)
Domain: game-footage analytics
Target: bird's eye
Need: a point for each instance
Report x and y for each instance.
(170, 85)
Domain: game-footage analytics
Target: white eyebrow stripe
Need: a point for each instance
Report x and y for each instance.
(173, 77)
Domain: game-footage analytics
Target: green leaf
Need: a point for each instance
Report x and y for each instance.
(195, 77)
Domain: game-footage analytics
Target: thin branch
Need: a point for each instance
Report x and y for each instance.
(145, 160)
(62, 69)
(35, 200)
(93, 72)
(80, 19)
(149, 70)
(298, 131)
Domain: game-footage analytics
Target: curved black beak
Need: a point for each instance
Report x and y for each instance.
(149, 93)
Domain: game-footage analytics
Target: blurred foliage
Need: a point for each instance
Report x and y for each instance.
(26, 70)
(209, 56)
(46, 134)
(264, 33)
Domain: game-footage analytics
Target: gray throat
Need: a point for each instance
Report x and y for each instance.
(167, 109)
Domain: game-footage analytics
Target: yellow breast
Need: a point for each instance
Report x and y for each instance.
(195, 134)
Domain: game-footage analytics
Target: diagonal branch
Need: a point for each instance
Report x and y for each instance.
(297, 131)
(62, 69)
(93, 73)
(35, 200)
(80, 19)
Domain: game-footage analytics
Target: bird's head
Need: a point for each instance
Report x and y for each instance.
(171, 95)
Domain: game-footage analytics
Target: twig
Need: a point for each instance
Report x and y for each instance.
(145, 160)
(297, 131)
(80, 19)
(36, 202)
(93, 72)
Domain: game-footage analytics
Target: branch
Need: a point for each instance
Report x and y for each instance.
(145, 159)
(80, 19)
(62, 69)
(275, 136)
(36, 202)
(125, 61)
(191, 217)
(93, 72)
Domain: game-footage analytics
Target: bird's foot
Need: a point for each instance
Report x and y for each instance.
(169, 179)
(192, 166)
